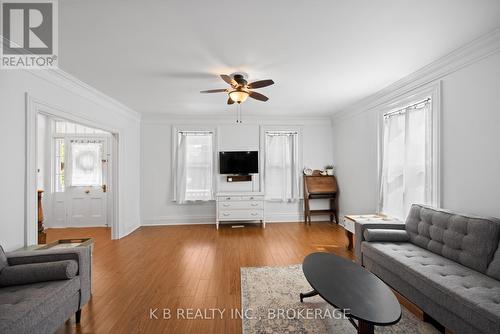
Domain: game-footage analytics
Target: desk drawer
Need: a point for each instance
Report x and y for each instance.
(241, 215)
(239, 205)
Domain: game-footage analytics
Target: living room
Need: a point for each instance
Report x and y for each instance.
(290, 168)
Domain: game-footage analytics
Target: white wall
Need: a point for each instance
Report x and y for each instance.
(65, 93)
(470, 152)
(157, 205)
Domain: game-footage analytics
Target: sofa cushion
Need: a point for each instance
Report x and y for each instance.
(468, 240)
(470, 295)
(3, 259)
(24, 306)
(38, 272)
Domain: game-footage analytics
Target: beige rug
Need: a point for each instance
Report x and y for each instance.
(270, 300)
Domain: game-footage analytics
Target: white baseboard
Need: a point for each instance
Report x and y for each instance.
(129, 231)
(60, 226)
(207, 220)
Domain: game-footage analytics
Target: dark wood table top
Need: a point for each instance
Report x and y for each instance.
(346, 285)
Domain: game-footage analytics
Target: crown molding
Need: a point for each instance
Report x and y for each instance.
(70, 83)
(230, 118)
(470, 53)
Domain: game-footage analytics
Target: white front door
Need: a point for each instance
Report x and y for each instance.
(81, 177)
(86, 180)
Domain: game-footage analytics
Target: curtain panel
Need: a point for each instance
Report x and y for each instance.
(194, 167)
(406, 160)
(281, 170)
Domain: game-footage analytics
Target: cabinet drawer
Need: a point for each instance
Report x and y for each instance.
(232, 198)
(241, 215)
(229, 198)
(252, 198)
(238, 205)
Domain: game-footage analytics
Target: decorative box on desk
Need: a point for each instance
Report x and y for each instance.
(240, 206)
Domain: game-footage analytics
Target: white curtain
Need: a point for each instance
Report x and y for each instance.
(85, 163)
(281, 170)
(195, 167)
(406, 161)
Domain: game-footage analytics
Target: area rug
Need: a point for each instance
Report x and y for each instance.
(270, 304)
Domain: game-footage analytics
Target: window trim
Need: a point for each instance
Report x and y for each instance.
(432, 91)
(175, 134)
(262, 148)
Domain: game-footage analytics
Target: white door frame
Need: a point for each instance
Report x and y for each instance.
(35, 106)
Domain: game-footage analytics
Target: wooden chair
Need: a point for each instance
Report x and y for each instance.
(324, 187)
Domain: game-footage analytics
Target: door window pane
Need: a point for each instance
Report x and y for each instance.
(86, 164)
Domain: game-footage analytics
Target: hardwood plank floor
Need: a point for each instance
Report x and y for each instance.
(179, 267)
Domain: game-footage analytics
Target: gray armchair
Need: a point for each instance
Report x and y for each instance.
(40, 290)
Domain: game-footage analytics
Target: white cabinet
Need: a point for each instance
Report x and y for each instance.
(240, 206)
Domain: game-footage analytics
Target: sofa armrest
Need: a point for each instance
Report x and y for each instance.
(361, 226)
(80, 254)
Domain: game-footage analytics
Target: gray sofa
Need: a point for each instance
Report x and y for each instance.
(55, 284)
(448, 264)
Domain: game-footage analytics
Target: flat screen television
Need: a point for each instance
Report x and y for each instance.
(239, 162)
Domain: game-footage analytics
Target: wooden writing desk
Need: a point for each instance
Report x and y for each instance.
(316, 187)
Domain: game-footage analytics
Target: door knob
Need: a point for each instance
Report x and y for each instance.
(87, 191)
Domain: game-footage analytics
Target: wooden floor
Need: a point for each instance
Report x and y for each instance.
(180, 267)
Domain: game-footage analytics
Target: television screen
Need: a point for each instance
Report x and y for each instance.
(245, 162)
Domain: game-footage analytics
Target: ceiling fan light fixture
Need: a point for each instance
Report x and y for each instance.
(238, 95)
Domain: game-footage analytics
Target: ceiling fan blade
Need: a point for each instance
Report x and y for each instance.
(222, 90)
(258, 96)
(229, 101)
(260, 84)
(229, 80)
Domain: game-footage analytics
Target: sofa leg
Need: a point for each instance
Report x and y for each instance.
(78, 316)
(427, 318)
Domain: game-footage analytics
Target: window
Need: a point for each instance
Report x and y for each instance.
(408, 159)
(64, 127)
(59, 165)
(195, 166)
(86, 163)
(281, 170)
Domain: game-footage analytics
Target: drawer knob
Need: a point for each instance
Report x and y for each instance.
(254, 214)
(228, 198)
(226, 214)
(225, 204)
(254, 204)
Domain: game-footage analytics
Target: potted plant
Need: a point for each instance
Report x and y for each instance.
(329, 169)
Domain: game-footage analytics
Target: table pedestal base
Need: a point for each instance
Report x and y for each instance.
(307, 295)
(362, 327)
(365, 327)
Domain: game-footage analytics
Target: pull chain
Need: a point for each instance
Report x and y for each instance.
(238, 113)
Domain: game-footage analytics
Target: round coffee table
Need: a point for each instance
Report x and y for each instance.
(349, 287)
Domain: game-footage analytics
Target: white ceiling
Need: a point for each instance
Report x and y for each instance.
(155, 56)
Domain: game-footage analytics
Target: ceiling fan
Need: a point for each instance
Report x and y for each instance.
(240, 89)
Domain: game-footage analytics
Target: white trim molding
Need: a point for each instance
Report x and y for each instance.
(35, 106)
(70, 83)
(464, 56)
